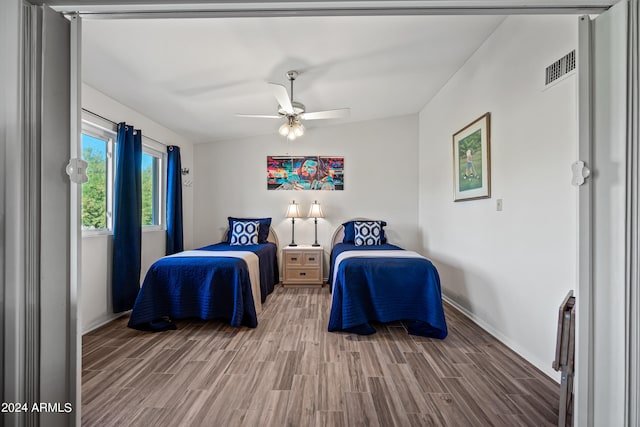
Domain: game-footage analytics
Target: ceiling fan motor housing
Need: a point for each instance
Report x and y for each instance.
(298, 108)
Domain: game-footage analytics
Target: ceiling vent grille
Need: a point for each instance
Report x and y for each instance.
(560, 68)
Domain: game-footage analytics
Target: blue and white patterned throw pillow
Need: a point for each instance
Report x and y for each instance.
(244, 233)
(367, 233)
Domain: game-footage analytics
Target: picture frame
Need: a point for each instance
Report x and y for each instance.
(305, 173)
(472, 160)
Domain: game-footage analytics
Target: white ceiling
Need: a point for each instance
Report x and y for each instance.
(194, 75)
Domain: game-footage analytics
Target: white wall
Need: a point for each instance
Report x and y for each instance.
(380, 176)
(508, 270)
(95, 291)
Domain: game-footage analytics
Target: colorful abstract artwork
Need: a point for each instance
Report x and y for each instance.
(305, 173)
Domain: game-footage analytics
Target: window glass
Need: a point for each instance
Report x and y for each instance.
(151, 189)
(94, 192)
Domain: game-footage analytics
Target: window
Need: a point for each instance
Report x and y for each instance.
(152, 187)
(98, 150)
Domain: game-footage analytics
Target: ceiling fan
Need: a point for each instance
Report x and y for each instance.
(294, 112)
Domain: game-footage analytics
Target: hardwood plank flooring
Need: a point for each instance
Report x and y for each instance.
(289, 371)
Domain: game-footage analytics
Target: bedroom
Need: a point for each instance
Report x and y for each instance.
(413, 197)
(483, 262)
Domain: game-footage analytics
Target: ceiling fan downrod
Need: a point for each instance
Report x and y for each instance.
(291, 75)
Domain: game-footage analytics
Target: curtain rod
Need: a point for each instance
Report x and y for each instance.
(116, 124)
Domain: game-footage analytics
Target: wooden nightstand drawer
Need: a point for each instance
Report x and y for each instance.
(311, 259)
(302, 275)
(292, 258)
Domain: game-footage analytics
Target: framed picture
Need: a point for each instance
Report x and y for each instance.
(305, 173)
(472, 161)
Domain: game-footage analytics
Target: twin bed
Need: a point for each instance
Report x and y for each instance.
(370, 280)
(224, 281)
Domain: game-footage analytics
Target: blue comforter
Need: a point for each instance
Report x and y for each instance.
(385, 290)
(203, 287)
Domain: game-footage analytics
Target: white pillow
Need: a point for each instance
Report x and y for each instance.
(244, 233)
(367, 233)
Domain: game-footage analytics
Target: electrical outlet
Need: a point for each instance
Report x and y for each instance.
(498, 205)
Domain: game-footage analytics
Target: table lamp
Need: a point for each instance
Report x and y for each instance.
(293, 212)
(315, 212)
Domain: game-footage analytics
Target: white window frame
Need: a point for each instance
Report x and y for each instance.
(92, 128)
(155, 149)
(102, 129)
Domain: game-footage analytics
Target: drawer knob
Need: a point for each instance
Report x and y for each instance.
(312, 259)
(294, 258)
(303, 274)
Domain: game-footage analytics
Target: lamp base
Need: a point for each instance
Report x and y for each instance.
(292, 244)
(316, 244)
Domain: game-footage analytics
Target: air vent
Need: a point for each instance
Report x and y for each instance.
(560, 68)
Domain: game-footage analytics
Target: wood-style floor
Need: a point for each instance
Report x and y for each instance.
(290, 371)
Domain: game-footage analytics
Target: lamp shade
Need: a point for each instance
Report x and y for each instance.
(284, 129)
(292, 129)
(315, 211)
(298, 129)
(293, 210)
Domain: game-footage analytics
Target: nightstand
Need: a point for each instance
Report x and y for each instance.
(302, 265)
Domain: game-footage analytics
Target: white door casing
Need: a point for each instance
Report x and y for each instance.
(602, 318)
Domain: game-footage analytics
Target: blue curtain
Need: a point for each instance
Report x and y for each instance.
(127, 218)
(174, 201)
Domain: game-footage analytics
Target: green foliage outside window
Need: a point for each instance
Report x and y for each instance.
(147, 193)
(94, 191)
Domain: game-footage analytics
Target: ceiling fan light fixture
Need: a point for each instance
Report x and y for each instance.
(284, 130)
(298, 129)
(291, 136)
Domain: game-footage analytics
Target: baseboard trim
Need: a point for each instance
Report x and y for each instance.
(103, 321)
(545, 368)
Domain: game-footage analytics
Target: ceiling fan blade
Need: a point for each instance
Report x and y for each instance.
(259, 116)
(327, 114)
(280, 92)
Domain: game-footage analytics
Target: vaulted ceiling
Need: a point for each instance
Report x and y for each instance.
(194, 75)
(193, 66)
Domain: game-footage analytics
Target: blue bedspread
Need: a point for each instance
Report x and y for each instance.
(267, 254)
(204, 287)
(386, 290)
